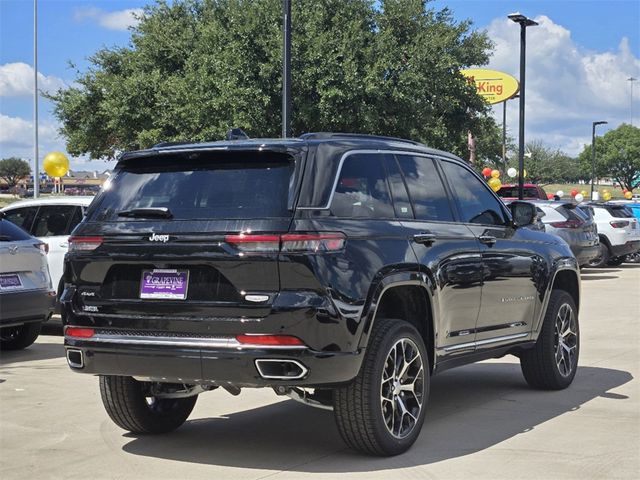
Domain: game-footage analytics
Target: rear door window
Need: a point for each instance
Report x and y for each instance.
(53, 220)
(619, 211)
(426, 189)
(362, 189)
(239, 187)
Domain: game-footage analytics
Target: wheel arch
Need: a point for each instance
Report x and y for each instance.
(565, 278)
(407, 296)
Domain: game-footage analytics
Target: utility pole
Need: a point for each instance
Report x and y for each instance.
(286, 69)
(631, 80)
(36, 170)
(524, 23)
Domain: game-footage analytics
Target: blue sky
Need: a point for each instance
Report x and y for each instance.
(578, 62)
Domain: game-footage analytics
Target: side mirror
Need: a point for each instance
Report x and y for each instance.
(523, 213)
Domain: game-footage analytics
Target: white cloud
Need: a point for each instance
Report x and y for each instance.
(16, 79)
(567, 87)
(16, 140)
(118, 20)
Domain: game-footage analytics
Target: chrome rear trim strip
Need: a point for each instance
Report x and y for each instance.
(189, 342)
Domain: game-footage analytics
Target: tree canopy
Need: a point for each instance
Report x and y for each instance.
(617, 156)
(195, 68)
(13, 169)
(548, 165)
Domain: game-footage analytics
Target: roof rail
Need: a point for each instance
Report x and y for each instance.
(328, 135)
(171, 144)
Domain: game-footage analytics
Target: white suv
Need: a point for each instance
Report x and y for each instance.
(50, 219)
(618, 230)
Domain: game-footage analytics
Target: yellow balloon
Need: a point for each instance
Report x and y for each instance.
(56, 164)
(628, 195)
(524, 173)
(494, 183)
(495, 174)
(606, 196)
(584, 193)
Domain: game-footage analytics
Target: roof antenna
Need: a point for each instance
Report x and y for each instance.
(236, 134)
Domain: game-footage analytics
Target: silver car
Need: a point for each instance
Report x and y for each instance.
(574, 226)
(26, 296)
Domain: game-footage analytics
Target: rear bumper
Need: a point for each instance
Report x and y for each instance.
(201, 365)
(585, 254)
(17, 308)
(625, 249)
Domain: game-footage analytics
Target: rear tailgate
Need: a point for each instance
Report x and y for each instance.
(23, 266)
(213, 256)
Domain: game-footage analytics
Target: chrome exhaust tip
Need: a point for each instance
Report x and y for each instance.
(275, 369)
(75, 358)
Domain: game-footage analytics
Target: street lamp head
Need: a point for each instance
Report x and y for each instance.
(599, 123)
(523, 20)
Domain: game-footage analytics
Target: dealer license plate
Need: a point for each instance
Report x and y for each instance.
(164, 284)
(10, 281)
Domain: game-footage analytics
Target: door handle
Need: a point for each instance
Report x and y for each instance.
(424, 238)
(64, 245)
(487, 239)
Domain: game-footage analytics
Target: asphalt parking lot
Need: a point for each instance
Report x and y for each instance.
(483, 419)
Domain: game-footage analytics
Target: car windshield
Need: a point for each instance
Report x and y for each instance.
(239, 189)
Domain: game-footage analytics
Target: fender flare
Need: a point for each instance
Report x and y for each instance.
(393, 280)
(562, 265)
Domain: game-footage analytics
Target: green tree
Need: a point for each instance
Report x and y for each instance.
(195, 68)
(617, 156)
(547, 165)
(13, 169)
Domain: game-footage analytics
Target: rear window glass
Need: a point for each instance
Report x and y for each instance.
(619, 211)
(11, 233)
(571, 213)
(238, 188)
(512, 192)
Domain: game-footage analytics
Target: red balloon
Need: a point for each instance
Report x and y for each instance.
(624, 190)
(486, 171)
(574, 192)
(550, 196)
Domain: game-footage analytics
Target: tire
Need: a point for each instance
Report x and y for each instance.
(616, 261)
(366, 407)
(548, 365)
(17, 338)
(130, 407)
(602, 259)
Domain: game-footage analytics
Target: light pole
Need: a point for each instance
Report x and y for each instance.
(36, 170)
(524, 23)
(593, 153)
(286, 69)
(631, 80)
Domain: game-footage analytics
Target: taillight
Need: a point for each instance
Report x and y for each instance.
(619, 223)
(269, 340)
(43, 247)
(79, 332)
(84, 244)
(313, 242)
(246, 242)
(567, 224)
(290, 242)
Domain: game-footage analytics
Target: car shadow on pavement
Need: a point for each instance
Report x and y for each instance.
(37, 351)
(471, 409)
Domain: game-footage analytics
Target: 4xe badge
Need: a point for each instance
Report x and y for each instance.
(159, 238)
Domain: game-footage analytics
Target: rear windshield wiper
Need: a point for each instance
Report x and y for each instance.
(149, 212)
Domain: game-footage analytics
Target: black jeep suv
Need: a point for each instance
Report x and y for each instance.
(341, 270)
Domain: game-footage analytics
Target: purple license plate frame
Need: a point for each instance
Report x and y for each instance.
(164, 284)
(10, 281)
